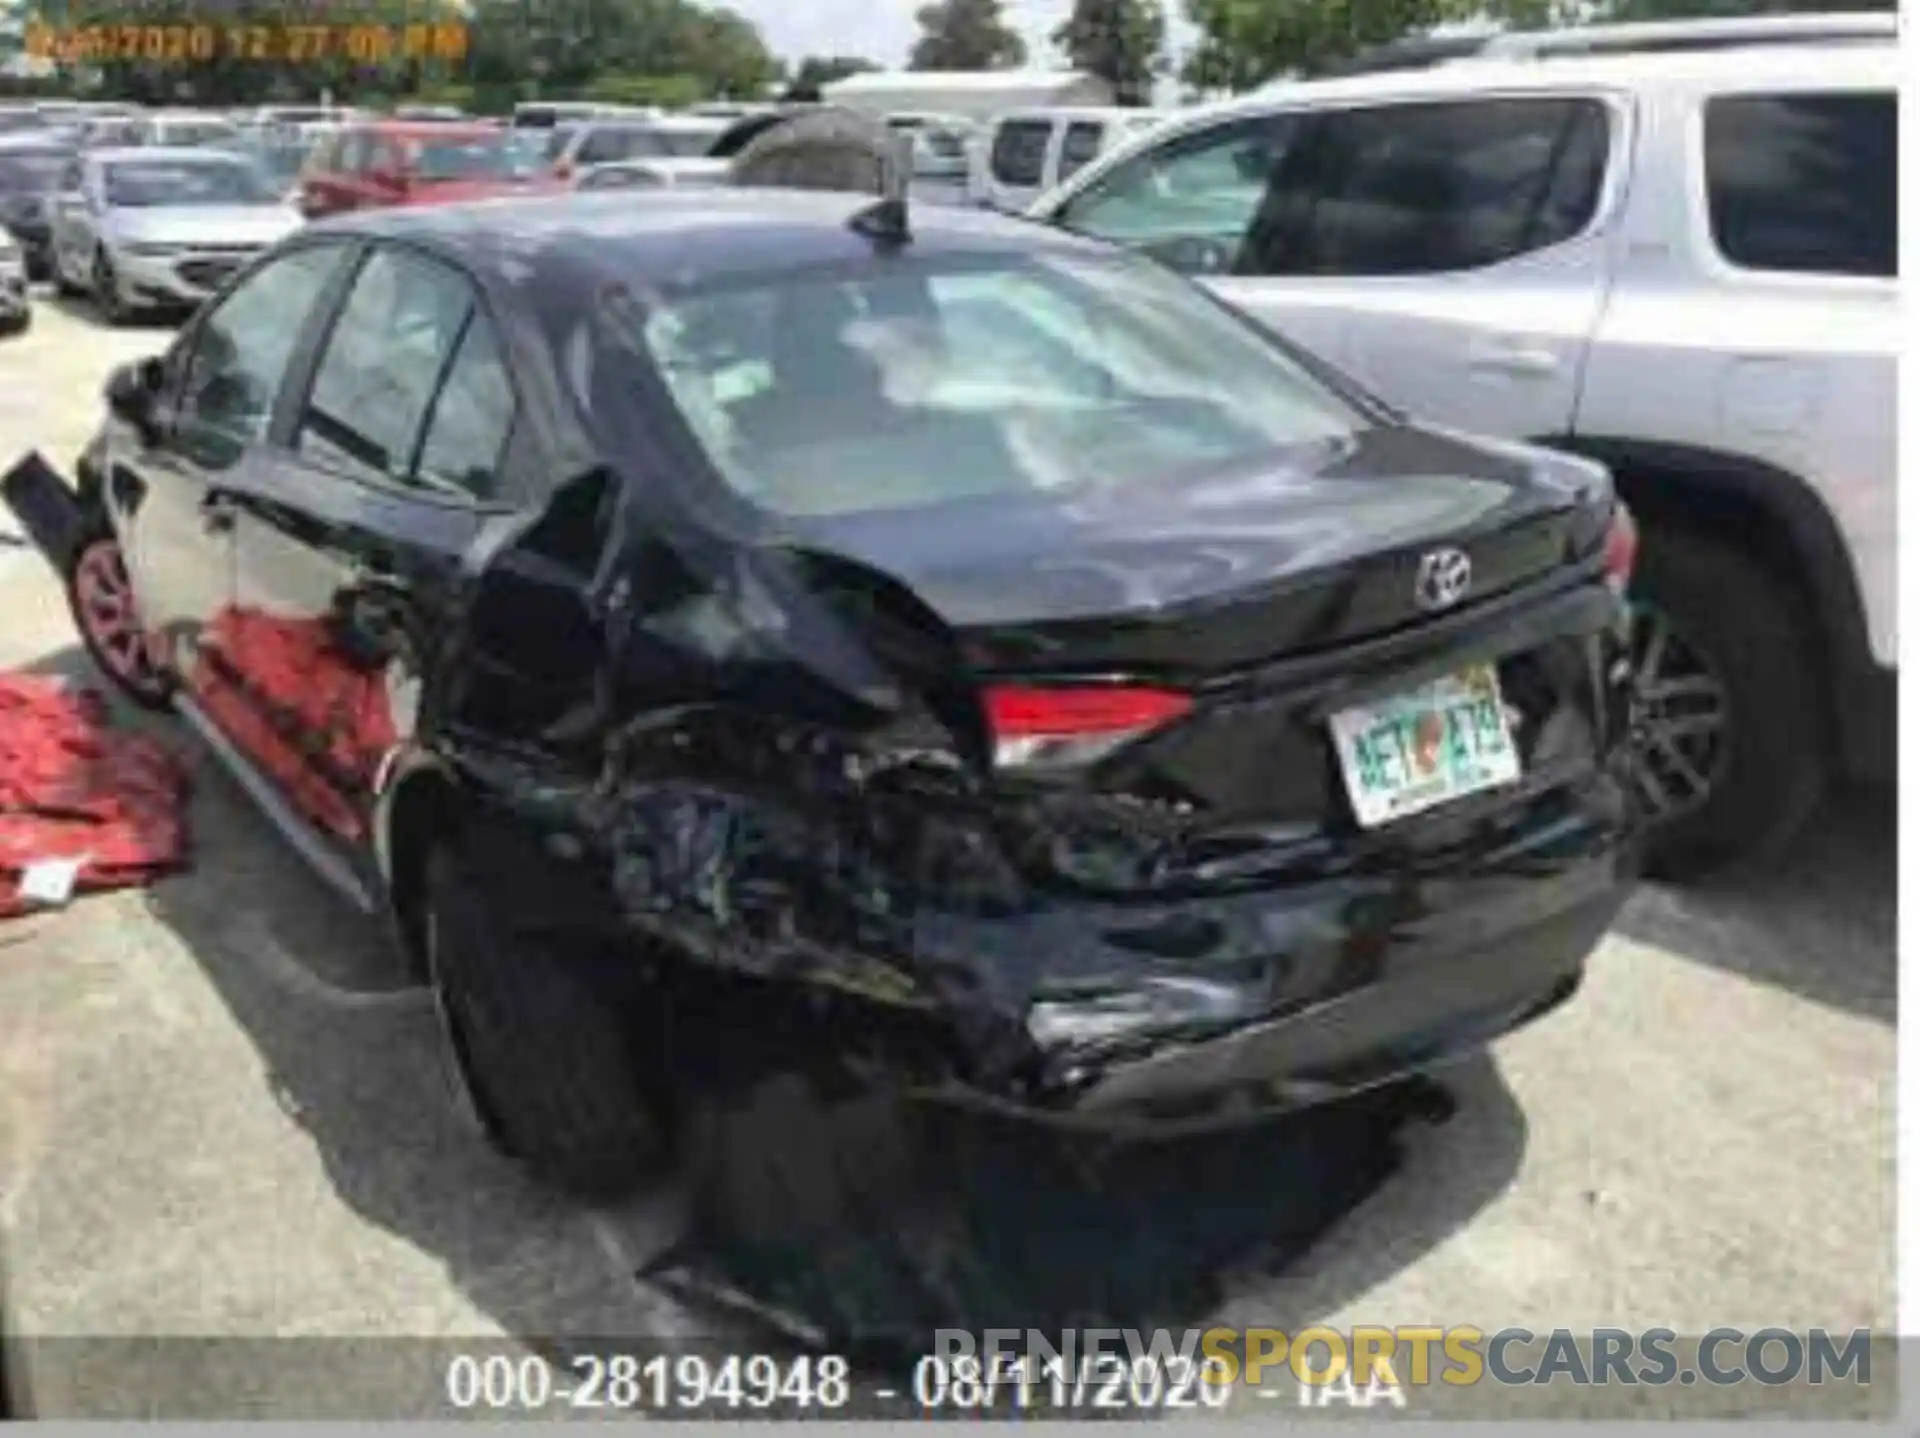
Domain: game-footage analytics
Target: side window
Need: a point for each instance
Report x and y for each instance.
(1425, 188)
(603, 143)
(72, 176)
(1081, 144)
(1805, 182)
(351, 157)
(1190, 199)
(241, 349)
(1019, 155)
(393, 346)
(471, 417)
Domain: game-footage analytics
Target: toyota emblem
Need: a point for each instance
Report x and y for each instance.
(1443, 579)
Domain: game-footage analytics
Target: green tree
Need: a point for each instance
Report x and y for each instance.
(1247, 42)
(557, 48)
(815, 71)
(965, 35)
(1120, 41)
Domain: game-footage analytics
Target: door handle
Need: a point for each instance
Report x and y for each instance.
(217, 514)
(1514, 357)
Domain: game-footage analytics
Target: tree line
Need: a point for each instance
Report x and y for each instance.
(676, 52)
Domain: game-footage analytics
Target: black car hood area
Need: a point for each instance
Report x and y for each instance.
(1188, 578)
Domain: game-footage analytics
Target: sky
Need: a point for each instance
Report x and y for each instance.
(884, 30)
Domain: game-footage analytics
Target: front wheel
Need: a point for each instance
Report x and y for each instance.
(101, 599)
(1725, 720)
(540, 1039)
(106, 291)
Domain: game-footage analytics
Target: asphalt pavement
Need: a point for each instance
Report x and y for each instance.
(221, 1116)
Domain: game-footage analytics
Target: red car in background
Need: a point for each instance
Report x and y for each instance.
(415, 163)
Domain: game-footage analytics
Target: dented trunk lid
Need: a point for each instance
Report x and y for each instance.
(1185, 580)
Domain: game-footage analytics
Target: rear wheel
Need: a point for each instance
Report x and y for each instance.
(101, 598)
(542, 1044)
(1726, 725)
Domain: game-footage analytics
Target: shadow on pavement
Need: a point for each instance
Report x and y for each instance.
(1002, 1226)
(160, 323)
(1820, 924)
(1018, 1229)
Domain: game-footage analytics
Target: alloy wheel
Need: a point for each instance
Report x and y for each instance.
(103, 599)
(1677, 719)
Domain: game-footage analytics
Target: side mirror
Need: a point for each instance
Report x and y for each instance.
(132, 390)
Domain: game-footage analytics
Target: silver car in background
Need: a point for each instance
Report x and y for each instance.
(161, 228)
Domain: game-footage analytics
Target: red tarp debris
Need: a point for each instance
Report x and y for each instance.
(282, 690)
(73, 788)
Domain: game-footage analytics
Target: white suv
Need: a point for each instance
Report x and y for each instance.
(1683, 265)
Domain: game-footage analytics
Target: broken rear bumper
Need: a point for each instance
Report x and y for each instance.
(1434, 1000)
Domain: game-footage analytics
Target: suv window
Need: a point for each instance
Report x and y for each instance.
(1189, 199)
(400, 336)
(616, 142)
(1804, 182)
(1081, 144)
(241, 349)
(1020, 152)
(1425, 188)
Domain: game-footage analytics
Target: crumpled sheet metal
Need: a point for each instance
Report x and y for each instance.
(73, 788)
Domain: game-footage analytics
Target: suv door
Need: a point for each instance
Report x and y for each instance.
(1451, 254)
(169, 499)
(349, 547)
(1765, 304)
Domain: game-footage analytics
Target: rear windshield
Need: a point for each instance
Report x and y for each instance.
(140, 184)
(929, 382)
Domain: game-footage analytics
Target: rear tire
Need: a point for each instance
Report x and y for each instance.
(1748, 631)
(101, 600)
(545, 1050)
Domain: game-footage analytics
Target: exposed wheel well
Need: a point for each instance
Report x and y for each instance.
(424, 806)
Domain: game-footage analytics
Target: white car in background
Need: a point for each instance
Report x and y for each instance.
(1024, 153)
(1681, 264)
(143, 229)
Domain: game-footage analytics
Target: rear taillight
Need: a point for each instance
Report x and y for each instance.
(1036, 726)
(1622, 546)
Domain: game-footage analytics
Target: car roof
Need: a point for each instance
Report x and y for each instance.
(1736, 67)
(173, 153)
(1080, 112)
(670, 237)
(1759, 63)
(425, 129)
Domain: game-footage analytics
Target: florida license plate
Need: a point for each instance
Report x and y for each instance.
(1409, 752)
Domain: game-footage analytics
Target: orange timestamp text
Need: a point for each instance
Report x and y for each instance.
(277, 44)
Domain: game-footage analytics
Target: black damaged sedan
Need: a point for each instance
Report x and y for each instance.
(764, 631)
